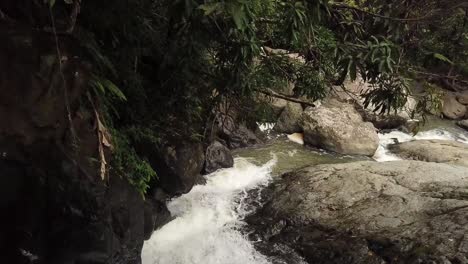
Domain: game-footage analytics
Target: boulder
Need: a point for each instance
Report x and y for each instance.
(463, 124)
(385, 121)
(277, 105)
(409, 108)
(339, 127)
(217, 157)
(241, 137)
(440, 151)
(179, 166)
(232, 134)
(288, 122)
(368, 212)
(156, 215)
(462, 97)
(452, 108)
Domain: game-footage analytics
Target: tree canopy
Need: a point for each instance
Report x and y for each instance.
(160, 67)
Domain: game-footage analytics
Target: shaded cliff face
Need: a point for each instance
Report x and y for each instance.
(56, 208)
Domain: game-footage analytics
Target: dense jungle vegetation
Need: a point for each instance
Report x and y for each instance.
(161, 68)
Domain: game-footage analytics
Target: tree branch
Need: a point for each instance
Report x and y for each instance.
(284, 97)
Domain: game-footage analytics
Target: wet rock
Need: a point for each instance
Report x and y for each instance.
(288, 122)
(452, 108)
(440, 151)
(179, 166)
(232, 134)
(463, 124)
(339, 127)
(368, 212)
(217, 157)
(156, 215)
(241, 137)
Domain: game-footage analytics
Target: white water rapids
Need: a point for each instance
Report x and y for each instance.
(382, 154)
(207, 221)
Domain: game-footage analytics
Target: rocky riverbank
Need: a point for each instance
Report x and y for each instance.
(366, 212)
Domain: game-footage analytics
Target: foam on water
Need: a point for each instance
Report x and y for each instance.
(383, 154)
(207, 221)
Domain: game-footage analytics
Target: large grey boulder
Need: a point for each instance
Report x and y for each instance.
(452, 108)
(339, 127)
(440, 151)
(369, 212)
(218, 156)
(288, 122)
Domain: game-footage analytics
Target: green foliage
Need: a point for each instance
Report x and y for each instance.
(442, 58)
(102, 85)
(163, 66)
(127, 163)
(390, 94)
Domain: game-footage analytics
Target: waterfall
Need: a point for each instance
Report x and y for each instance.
(206, 227)
(208, 221)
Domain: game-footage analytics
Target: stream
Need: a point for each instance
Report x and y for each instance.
(208, 221)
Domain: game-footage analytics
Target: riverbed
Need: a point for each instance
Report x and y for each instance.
(208, 224)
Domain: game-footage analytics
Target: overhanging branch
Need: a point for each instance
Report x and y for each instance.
(284, 97)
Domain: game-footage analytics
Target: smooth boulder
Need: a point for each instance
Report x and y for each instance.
(288, 122)
(340, 128)
(218, 156)
(368, 212)
(452, 108)
(440, 151)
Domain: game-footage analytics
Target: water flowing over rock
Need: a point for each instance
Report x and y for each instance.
(288, 122)
(369, 212)
(217, 157)
(208, 219)
(339, 127)
(452, 108)
(440, 151)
